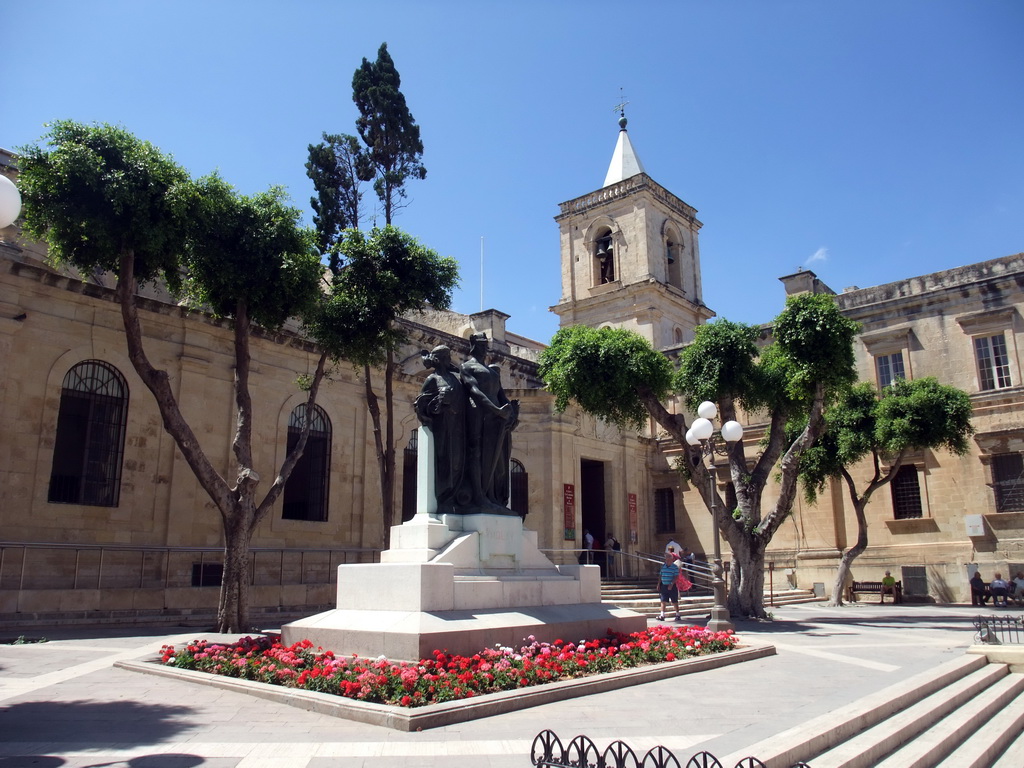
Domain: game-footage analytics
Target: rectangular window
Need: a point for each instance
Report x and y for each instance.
(906, 494)
(1008, 481)
(993, 362)
(890, 368)
(664, 510)
(207, 574)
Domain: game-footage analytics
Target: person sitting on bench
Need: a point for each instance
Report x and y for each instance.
(888, 588)
(999, 590)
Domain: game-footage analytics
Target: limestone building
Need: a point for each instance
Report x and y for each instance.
(102, 520)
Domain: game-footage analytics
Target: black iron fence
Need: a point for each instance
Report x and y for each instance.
(999, 630)
(582, 752)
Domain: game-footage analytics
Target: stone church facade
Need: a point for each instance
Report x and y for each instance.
(102, 520)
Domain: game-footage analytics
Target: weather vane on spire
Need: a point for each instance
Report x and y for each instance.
(621, 106)
(621, 109)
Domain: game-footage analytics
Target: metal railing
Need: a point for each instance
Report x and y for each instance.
(638, 566)
(43, 565)
(548, 752)
(999, 630)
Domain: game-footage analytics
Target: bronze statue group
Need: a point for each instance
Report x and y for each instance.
(471, 421)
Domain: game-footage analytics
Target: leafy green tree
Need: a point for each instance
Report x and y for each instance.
(384, 275)
(388, 130)
(616, 375)
(908, 416)
(105, 200)
(336, 166)
(390, 158)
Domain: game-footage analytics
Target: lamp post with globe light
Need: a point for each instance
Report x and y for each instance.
(702, 434)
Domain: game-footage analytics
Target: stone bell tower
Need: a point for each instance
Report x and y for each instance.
(630, 256)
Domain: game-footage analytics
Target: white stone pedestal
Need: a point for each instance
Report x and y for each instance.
(461, 583)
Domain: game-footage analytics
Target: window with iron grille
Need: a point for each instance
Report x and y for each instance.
(89, 445)
(1008, 481)
(520, 482)
(890, 368)
(915, 579)
(409, 477)
(993, 362)
(306, 492)
(906, 494)
(664, 510)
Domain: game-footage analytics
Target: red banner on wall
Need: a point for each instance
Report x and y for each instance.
(569, 510)
(633, 521)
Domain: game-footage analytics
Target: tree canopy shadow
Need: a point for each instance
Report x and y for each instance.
(75, 725)
(814, 626)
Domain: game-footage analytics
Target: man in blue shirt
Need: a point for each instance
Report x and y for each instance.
(667, 590)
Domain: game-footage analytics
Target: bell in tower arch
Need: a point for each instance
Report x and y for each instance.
(605, 258)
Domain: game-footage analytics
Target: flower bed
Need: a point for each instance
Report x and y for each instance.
(445, 677)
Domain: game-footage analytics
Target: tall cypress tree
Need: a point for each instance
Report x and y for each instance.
(388, 130)
(336, 165)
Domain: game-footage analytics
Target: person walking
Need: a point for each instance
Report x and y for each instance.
(611, 546)
(668, 592)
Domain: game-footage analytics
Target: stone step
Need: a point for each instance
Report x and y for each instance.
(866, 748)
(998, 743)
(1013, 757)
(823, 733)
(957, 728)
(696, 606)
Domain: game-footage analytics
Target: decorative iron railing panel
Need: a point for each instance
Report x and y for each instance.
(549, 752)
(999, 630)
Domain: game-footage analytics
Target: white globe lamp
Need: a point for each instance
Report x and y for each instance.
(707, 410)
(10, 202)
(732, 431)
(702, 428)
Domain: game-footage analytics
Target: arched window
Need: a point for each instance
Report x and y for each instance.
(409, 477)
(673, 259)
(604, 258)
(677, 335)
(520, 481)
(306, 492)
(89, 445)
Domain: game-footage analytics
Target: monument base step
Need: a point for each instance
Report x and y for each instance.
(412, 635)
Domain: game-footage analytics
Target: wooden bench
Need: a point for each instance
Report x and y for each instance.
(872, 588)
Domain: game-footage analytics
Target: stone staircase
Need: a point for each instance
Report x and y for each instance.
(641, 598)
(967, 713)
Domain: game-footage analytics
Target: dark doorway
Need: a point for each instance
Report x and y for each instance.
(592, 506)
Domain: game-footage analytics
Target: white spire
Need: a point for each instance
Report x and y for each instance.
(624, 163)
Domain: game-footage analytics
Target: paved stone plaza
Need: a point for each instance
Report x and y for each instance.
(62, 703)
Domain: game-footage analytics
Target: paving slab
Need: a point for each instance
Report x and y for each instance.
(63, 703)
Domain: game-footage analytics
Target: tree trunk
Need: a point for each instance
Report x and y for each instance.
(387, 491)
(860, 503)
(373, 406)
(851, 554)
(233, 606)
(746, 577)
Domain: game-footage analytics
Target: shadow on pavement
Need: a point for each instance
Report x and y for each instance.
(75, 725)
(934, 620)
(169, 760)
(107, 631)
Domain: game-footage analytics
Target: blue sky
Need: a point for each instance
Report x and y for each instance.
(868, 141)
